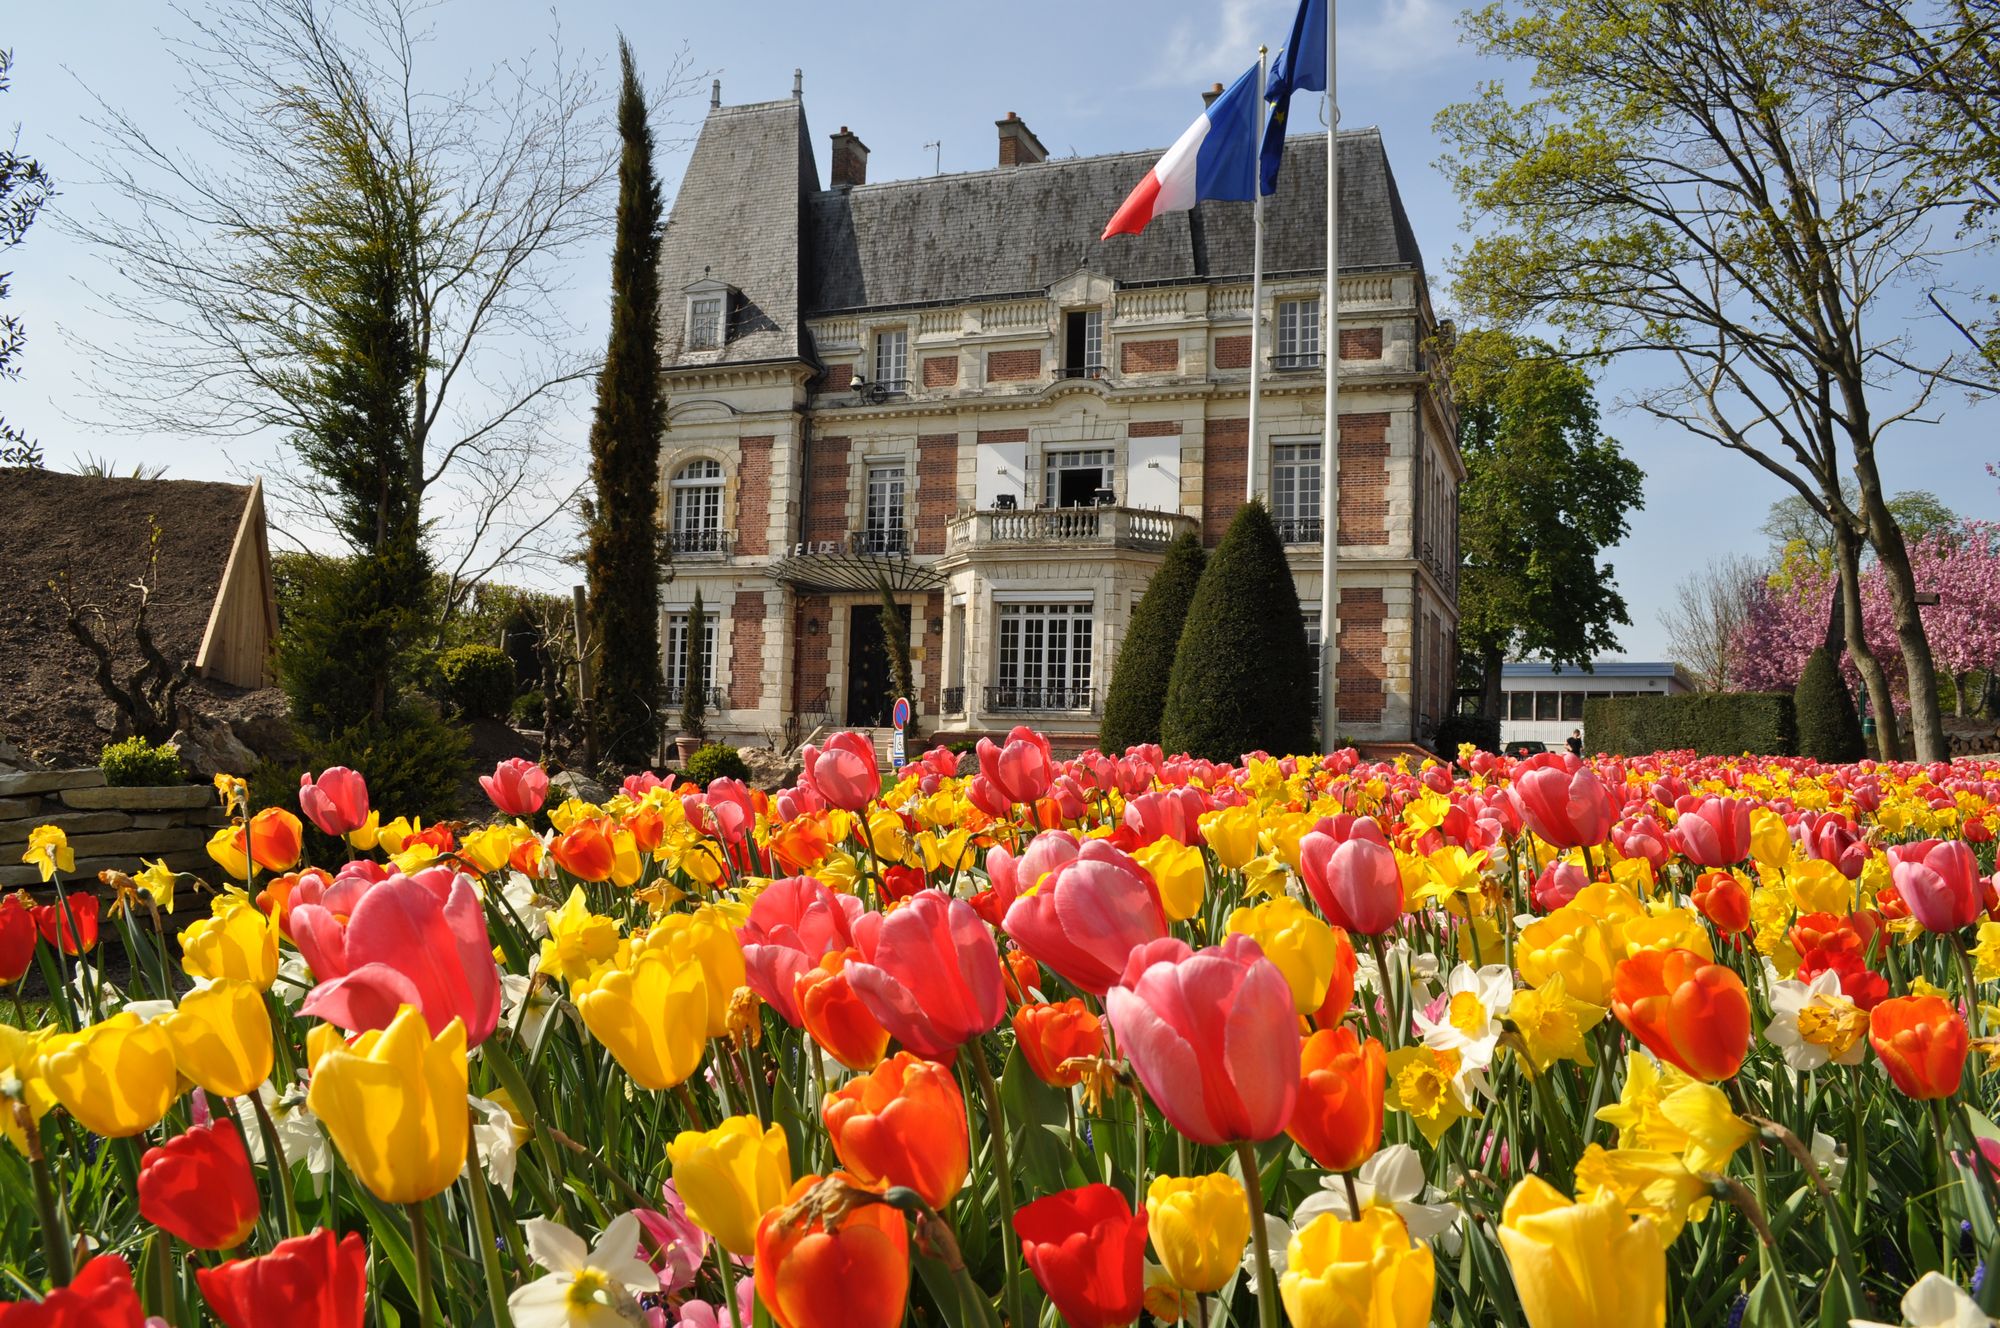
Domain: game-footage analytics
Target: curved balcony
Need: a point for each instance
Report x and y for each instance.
(1067, 527)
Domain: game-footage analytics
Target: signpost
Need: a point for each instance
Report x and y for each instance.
(899, 715)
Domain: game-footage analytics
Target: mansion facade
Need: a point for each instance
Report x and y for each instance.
(952, 388)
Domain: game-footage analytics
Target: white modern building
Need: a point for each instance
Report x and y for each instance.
(1543, 703)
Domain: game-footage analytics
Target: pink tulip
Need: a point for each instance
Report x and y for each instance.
(1088, 916)
(402, 944)
(1356, 884)
(1562, 800)
(929, 972)
(1834, 838)
(1212, 1035)
(337, 802)
(518, 787)
(1167, 813)
(1641, 837)
(793, 924)
(1939, 880)
(1011, 875)
(638, 786)
(682, 1246)
(844, 771)
(1021, 769)
(1714, 832)
(1557, 885)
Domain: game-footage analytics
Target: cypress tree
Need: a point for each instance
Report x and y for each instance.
(1146, 661)
(896, 639)
(1242, 677)
(623, 555)
(1829, 728)
(694, 675)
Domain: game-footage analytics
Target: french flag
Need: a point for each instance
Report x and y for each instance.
(1215, 158)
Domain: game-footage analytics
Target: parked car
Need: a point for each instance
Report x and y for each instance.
(1526, 748)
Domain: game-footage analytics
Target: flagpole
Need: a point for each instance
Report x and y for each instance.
(1329, 448)
(1256, 282)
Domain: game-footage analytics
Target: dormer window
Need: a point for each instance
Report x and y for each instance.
(707, 314)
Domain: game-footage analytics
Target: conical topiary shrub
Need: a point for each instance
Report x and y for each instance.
(1242, 678)
(1829, 728)
(1146, 661)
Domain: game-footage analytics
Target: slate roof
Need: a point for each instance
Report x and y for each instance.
(750, 212)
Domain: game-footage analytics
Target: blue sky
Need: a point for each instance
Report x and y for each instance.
(1086, 77)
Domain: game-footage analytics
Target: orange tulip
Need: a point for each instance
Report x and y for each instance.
(1021, 974)
(1339, 1116)
(1687, 1011)
(854, 1274)
(1922, 1042)
(1339, 991)
(902, 1124)
(586, 852)
(276, 839)
(1048, 1035)
(1723, 901)
(835, 1016)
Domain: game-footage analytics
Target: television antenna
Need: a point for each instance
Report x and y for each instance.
(937, 156)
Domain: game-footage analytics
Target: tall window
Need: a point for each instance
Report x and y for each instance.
(1298, 333)
(1076, 477)
(1311, 612)
(705, 322)
(1083, 343)
(1045, 658)
(697, 507)
(1295, 491)
(677, 653)
(892, 360)
(882, 530)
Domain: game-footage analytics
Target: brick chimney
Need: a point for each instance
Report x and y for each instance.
(849, 164)
(1018, 144)
(1208, 97)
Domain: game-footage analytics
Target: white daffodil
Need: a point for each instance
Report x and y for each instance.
(1393, 1178)
(596, 1287)
(1812, 1023)
(295, 978)
(542, 1001)
(299, 1132)
(499, 1139)
(1475, 1001)
(519, 893)
(1826, 1155)
(148, 1011)
(1934, 1302)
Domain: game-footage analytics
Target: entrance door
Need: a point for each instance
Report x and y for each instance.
(871, 684)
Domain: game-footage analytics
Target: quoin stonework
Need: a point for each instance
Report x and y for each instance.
(951, 386)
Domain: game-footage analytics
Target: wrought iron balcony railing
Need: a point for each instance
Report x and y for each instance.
(953, 700)
(692, 543)
(1008, 697)
(716, 697)
(1299, 530)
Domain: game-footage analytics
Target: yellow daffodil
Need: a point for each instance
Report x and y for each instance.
(1369, 1271)
(234, 793)
(1636, 1114)
(394, 1104)
(1294, 938)
(158, 880)
(117, 1078)
(652, 1015)
(1453, 876)
(1714, 1132)
(1986, 953)
(1198, 1225)
(730, 1177)
(1424, 1082)
(49, 851)
(1553, 1023)
(1649, 1181)
(221, 1037)
(1582, 1265)
(235, 941)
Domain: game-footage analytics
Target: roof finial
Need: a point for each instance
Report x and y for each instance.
(715, 95)
(798, 84)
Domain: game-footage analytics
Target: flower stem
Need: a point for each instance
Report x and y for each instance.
(482, 1223)
(729, 1287)
(55, 1237)
(420, 1244)
(274, 1155)
(1253, 1184)
(996, 1122)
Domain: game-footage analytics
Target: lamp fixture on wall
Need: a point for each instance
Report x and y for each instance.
(812, 627)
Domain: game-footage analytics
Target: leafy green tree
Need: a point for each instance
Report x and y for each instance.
(1242, 679)
(1145, 665)
(622, 560)
(1545, 494)
(1793, 522)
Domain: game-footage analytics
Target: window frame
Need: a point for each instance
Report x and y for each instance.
(1054, 467)
(1035, 663)
(885, 530)
(695, 521)
(719, 333)
(899, 337)
(1296, 524)
(1297, 341)
(673, 644)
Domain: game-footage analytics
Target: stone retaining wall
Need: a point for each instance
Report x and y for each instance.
(107, 827)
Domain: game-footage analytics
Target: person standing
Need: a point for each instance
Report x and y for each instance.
(1576, 742)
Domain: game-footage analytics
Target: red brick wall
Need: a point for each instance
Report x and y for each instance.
(1005, 366)
(838, 377)
(1003, 435)
(808, 649)
(1232, 352)
(1149, 356)
(940, 370)
(1223, 457)
(746, 650)
(826, 493)
(933, 638)
(1361, 676)
(1360, 343)
(753, 496)
(1153, 429)
(1364, 479)
(937, 488)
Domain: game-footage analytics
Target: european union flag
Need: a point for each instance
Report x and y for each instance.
(1300, 67)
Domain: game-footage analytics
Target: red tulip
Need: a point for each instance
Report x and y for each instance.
(1715, 832)
(409, 941)
(1049, 1035)
(1922, 1042)
(517, 786)
(306, 1282)
(1356, 883)
(73, 919)
(853, 1274)
(835, 1016)
(1086, 1248)
(794, 923)
(1023, 976)
(844, 771)
(930, 972)
(1020, 769)
(1939, 880)
(198, 1187)
(1562, 800)
(1834, 838)
(337, 802)
(1341, 1083)
(1213, 1036)
(1641, 837)
(99, 1296)
(1086, 917)
(1687, 1011)
(902, 1124)
(18, 935)
(1723, 901)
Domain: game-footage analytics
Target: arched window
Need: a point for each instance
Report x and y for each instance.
(697, 507)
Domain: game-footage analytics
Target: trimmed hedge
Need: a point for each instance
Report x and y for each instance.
(1478, 730)
(477, 680)
(1829, 728)
(1146, 661)
(1709, 723)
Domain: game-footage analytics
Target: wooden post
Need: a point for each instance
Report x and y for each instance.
(584, 691)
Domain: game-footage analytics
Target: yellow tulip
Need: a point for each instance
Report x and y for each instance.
(1294, 938)
(1770, 841)
(1671, 928)
(369, 833)
(1818, 887)
(1583, 1265)
(652, 1016)
(394, 1104)
(707, 939)
(1198, 1225)
(21, 1060)
(231, 852)
(221, 1037)
(117, 1077)
(579, 941)
(626, 864)
(48, 849)
(236, 941)
(1180, 873)
(1572, 943)
(1231, 834)
(393, 836)
(1609, 902)
(572, 811)
(1358, 1273)
(730, 1177)
(489, 848)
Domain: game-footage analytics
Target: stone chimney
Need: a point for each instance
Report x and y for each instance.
(1018, 144)
(1208, 97)
(849, 164)
(715, 95)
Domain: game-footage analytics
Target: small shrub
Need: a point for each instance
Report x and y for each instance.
(1829, 728)
(527, 712)
(415, 763)
(136, 762)
(716, 760)
(477, 681)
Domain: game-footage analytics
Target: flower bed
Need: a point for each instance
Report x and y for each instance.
(1549, 1043)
